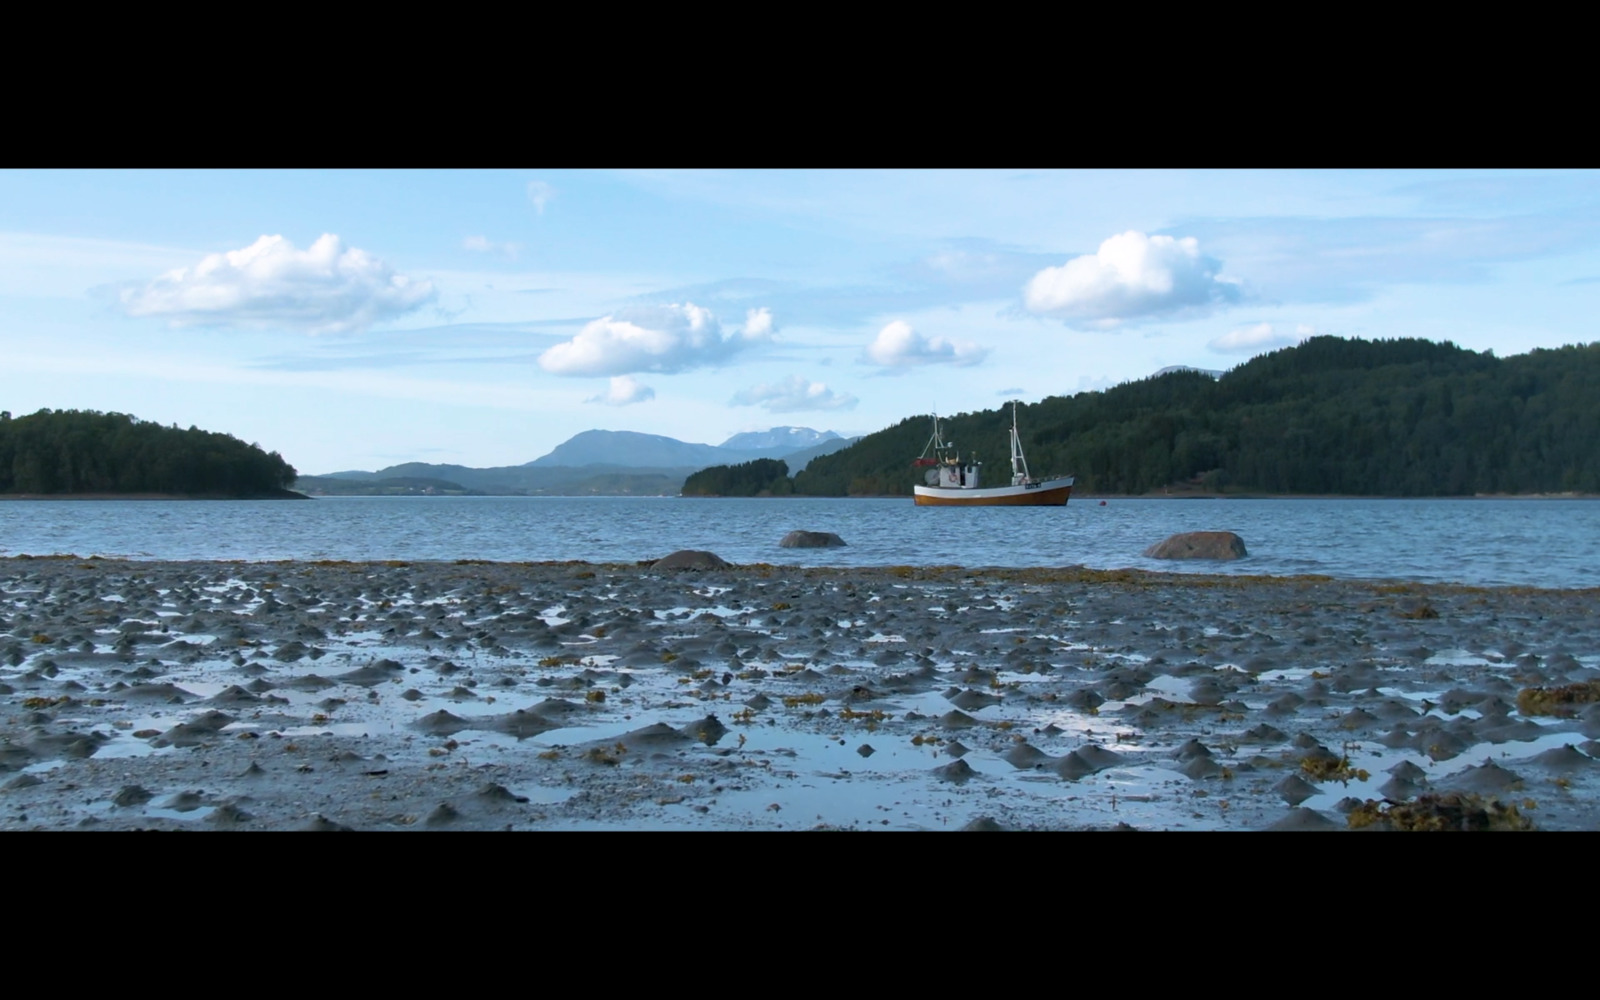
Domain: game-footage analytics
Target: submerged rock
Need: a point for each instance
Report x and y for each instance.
(810, 540)
(695, 559)
(1199, 545)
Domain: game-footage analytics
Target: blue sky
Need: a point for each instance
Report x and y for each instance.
(357, 319)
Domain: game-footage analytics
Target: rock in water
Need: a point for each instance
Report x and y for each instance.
(690, 559)
(708, 730)
(810, 540)
(1199, 545)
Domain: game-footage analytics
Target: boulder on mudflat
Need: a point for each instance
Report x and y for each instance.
(810, 540)
(1199, 545)
(690, 559)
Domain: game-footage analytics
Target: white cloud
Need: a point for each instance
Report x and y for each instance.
(792, 395)
(323, 289)
(1131, 276)
(758, 324)
(1261, 337)
(541, 194)
(482, 244)
(669, 338)
(624, 390)
(899, 346)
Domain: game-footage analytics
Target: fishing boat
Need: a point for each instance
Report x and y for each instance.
(947, 481)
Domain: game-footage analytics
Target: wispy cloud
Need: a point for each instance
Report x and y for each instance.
(20, 249)
(793, 395)
(1258, 338)
(899, 346)
(1297, 259)
(623, 391)
(477, 393)
(458, 344)
(373, 362)
(540, 193)
(343, 362)
(957, 272)
(36, 265)
(323, 289)
(727, 291)
(482, 244)
(1132, 276)
(668, 338)
(973, 269)
(1515, 192)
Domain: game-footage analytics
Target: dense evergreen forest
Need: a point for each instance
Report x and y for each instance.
(1333, 416)
(762, 477)
(82, 451)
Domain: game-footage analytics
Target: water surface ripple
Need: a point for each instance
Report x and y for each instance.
(1484, 542)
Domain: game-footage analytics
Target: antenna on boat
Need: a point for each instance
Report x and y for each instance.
(1019, 465)
(935, 444)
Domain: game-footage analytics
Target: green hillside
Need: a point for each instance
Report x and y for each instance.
(756, 478)
(69, 452)
(1394, 417)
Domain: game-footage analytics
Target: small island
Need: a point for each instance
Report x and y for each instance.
(764, 477)
(85, 454)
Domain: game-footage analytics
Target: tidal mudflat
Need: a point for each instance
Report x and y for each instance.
(417, 696)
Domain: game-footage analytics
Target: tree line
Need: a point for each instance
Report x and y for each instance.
(85, 451)
(761, 477)
(1403, 417)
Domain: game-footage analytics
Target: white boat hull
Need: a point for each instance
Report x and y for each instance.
(1049, 493)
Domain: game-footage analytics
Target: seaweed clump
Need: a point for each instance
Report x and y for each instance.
(1557, 700)
(1452, 811)
(1325, 766)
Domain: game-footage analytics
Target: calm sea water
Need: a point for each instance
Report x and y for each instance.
(1544, 543)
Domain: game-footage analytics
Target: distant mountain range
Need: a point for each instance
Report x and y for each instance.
(634, 450)
(609, 463)
(787, 439)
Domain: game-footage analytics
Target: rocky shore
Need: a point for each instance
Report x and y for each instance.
(394, 696)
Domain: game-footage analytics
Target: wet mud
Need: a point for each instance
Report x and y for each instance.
(489, 696)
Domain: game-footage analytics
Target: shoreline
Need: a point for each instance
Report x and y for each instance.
(1072, 573)
(1076, 573)
(282, 495)
(1081, 498)
(570, 695)
(1338, 496)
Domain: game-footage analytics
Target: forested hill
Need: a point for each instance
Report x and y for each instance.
(1392, 417)
(762, 477)
(82, 451)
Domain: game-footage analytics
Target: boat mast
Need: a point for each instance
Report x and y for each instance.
(935, 444)
(1019, 465)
